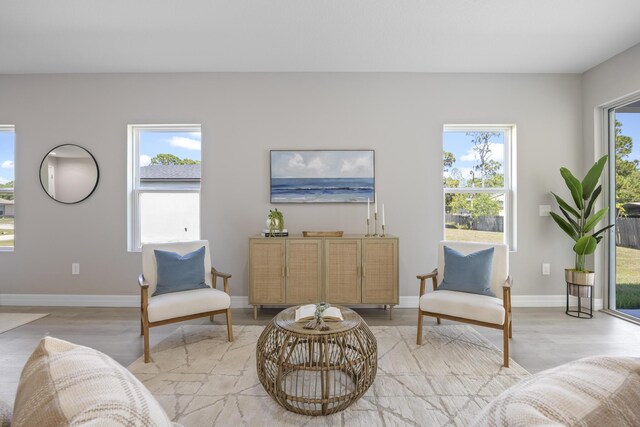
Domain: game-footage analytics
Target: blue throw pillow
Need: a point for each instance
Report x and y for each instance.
(178, 273)
(471, 273)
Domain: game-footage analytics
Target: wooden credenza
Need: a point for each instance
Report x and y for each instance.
(347, 270)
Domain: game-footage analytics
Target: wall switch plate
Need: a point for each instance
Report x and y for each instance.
(546, 269)
(544, 210)
(75, 268)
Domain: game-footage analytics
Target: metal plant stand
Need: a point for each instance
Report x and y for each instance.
(580, 292)
(315, 372)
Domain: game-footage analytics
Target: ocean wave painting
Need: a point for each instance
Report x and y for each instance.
(339, 176)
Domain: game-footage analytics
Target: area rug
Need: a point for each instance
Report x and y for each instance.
(202, 380)
(10, 321)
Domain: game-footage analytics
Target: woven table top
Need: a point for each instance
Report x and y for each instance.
(286, 320)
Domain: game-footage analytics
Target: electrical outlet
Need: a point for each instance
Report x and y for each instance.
(546, 269)
(75, 268)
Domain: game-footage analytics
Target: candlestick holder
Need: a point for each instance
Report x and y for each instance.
(368, 233)
(382, 235)
(375, 220)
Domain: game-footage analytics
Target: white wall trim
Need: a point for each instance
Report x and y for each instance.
(57, 300)
(551, 301)
(240, 302)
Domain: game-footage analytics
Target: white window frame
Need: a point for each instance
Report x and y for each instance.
(509, 188)
(134, 189)
(11, 128)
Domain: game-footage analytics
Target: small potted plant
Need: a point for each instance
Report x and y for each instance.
(275, 220)
(579, 221)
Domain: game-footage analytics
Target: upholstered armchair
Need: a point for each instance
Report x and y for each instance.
(474, 308)
(184, 305)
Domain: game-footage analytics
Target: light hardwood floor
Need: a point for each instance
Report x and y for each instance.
(542, 337)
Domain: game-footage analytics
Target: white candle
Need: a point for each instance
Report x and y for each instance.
(375, 205)
(368, 209)
(383, 214)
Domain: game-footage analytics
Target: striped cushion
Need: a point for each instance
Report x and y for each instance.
(595, 391)
(66, 384)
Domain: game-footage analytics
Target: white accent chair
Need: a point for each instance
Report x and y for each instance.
(483, 310)
(179, 306)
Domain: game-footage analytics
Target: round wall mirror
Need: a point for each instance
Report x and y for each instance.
(69, 173)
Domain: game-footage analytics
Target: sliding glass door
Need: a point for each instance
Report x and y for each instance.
(624, 200)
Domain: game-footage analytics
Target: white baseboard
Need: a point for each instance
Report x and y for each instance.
(550, 301)
(57, 300)
(240, 302)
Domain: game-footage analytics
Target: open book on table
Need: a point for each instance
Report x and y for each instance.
(308, 312)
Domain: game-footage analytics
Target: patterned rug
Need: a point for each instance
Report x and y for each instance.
(202, 380)
(10, 321)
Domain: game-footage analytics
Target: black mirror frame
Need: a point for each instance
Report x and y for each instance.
(97, 174)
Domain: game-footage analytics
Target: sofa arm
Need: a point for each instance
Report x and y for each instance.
(142, 282)
(225, 279)
(433, 276)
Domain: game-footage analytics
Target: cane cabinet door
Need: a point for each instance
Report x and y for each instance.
(267, 271)
(303, 271)
(342, 271)
(380, 271)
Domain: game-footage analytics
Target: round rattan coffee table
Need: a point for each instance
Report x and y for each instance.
(314, 372)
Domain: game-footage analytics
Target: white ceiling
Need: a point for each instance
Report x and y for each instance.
(538, 36)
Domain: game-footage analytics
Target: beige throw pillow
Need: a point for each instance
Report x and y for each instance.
(63, 384)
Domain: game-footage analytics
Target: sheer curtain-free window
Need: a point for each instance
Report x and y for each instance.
(164, 184)
(7, 186)
(479, 183)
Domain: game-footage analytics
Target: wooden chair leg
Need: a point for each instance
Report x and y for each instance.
(510, 327)
(506, 343)
(229, 326)
(141, 326)
(438, 320)
(419, 338)
(211, 318)
(145, 332)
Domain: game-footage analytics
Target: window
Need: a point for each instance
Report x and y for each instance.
(164, 184)
(479, 183)
(7, 180)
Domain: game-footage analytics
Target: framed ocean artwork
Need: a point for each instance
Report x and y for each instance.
(322, 176)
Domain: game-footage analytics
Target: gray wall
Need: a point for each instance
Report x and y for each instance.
(603, 85)
(243, 116)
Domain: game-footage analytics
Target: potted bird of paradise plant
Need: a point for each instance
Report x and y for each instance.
(579, 221)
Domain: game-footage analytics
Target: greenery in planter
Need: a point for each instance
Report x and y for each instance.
(579, 220)
(276, 220)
